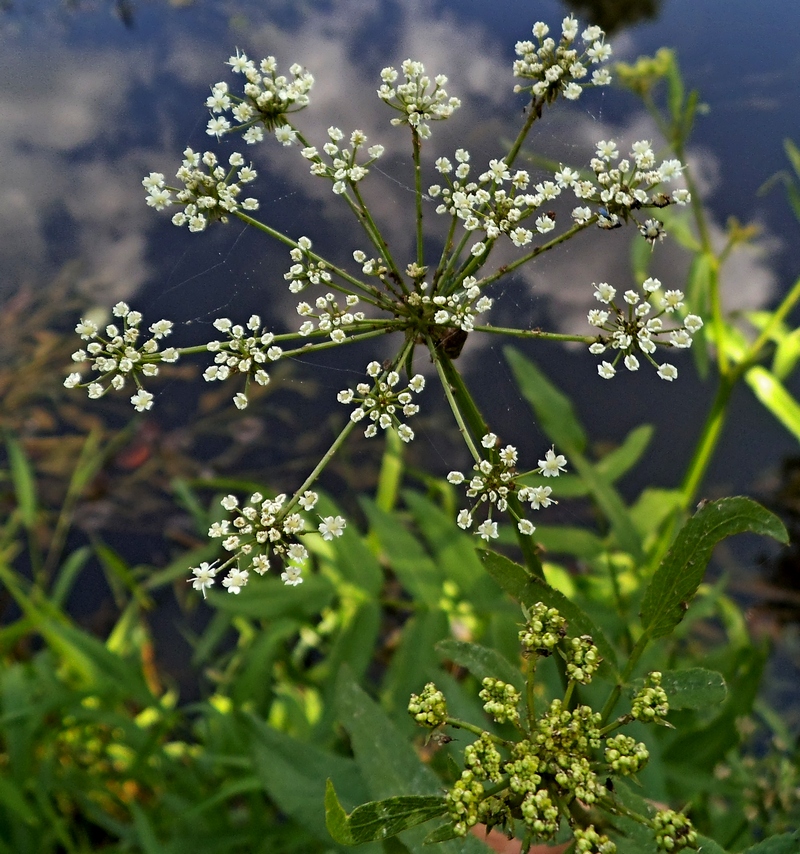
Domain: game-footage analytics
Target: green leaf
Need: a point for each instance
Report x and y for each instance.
(481, 661)
(785, 843)
(623, 458)
(652, 509)
(408, 559)
(612, 506)
(386, 759)
(694, 688)
(706, 845)
(293, 774)
(453, 550)
(529, 590)
(379, 819)
(775, 397)
(793, 153)
(564, 539)
(442, 833)
(553, 408)
(786, 355)
(270, 598)
(675, 92)
(675, 582)
(23, 480)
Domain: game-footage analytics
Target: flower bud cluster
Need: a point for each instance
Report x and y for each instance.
(306, 270)
(625, 755)
(622, 187)
(500, 700)
(463, 801)
(561, 68)
(650, 705)
(343, 169)
(488, 206)
(268, 98)
(582, 659)
(117, 356)
(428, 708)
(630, 329)
(418, 99)
(540, 814)
(483, 758)
(673, 831)
(544, 629)
(242, 354)
(262, 525)
(494, 481)
(330, 316)
(381, 402)
(589, 841)
(209, 190)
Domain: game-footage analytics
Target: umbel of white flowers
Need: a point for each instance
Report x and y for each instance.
(434, 304)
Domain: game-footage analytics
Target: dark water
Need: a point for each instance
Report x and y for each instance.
(97, 95)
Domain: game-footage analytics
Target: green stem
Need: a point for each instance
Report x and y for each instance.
(320, 466)
(633, 660)
(461, 400)
(536, 333)
(507, 268)
(417, 148)
(369, 294)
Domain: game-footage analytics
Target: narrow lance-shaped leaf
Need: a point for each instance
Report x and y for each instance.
(675, 582)
(379, 819)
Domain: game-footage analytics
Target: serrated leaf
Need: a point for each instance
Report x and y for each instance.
(706, 845)
(292, 773)
(775, 397)
(442, 833)
(784, 843)
(676, 580)
(481, 661)
(693, 688)
(553, 408)
(379, 819)
(529, 590)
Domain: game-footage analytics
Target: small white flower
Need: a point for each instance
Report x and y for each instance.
(487, 530)
(668, 372)
(489, 440)
(204, 577)
(553, 464)
(332, 526)
(292, 575)
(606, 370)
(235, 580)
(142, 400)
(525, 527)
(464, 519)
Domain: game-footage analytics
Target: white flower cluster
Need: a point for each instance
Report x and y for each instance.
(116, 356)
(343, 168)
(419, 99)
(330, 316)
(631, 329)
(490, 207)
(625, 186)
(261, 526)
(268, 98)
(381, 402)
(494, 481)
(459, 309)
(208, 193)
(561, 68)
(306, 270)
(242, 354)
